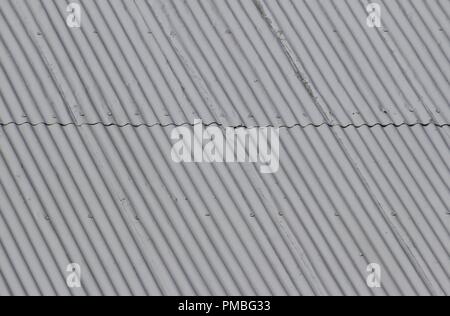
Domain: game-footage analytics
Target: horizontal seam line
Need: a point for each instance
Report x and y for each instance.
(223, 125)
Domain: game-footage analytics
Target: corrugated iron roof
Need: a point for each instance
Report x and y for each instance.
(111, 199)
(86, 174)
(251, 63)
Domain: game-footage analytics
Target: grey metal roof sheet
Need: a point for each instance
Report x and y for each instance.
(86, 174)
(112, 200)
(251, 63)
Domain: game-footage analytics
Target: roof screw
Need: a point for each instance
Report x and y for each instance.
(252, 215)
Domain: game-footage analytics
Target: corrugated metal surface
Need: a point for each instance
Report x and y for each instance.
(396, 74)
(132, 63)
(86, 174)
(232, 62)
(110, 199)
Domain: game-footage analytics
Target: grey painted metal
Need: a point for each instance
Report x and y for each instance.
(111, 199)
(86, 174)
(234, 62)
